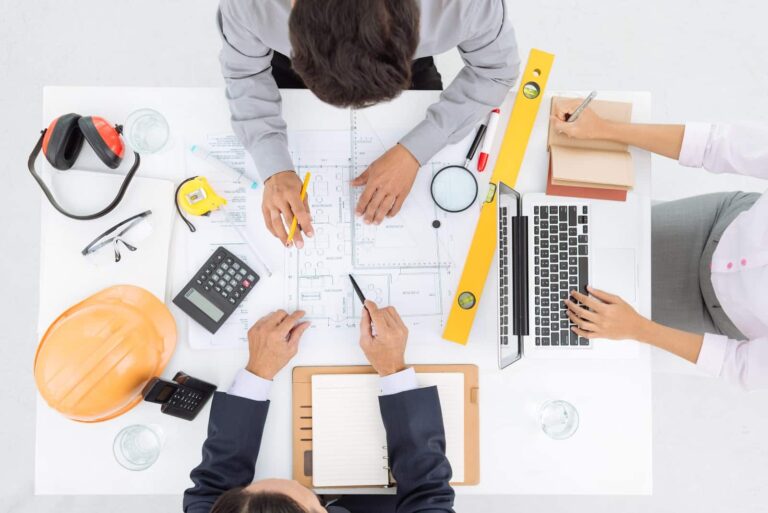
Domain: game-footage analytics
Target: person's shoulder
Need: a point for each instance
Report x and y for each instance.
(254, 11)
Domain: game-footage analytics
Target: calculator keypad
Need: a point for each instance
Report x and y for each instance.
(186, 399)
(226, 277)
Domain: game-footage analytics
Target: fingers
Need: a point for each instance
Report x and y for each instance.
(289, 321)
(274, 318)
(561, 126)
(276, 215)
(366, 328)
(384, 208)
(581, 323)
(300, 210)
(582, 333)
(603, 296)
(268, 220)
(362, 179)
(365, 198)
(376, 202)
(378, 316)
(395, 318)
(296, 333)
(588, 301)
(397, 206)
(581, 312)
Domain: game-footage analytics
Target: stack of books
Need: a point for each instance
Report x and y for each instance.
(591, 168)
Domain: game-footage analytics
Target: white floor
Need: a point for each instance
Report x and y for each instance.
(702, 60)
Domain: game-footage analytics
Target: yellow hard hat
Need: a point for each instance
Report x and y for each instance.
(93, 361)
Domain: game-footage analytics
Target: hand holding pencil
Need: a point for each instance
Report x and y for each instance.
(285, 204)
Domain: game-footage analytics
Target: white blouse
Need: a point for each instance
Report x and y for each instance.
(740, 261)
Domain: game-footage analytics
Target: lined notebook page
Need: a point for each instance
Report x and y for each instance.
(348, 437)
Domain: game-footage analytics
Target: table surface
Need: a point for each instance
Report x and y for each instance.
(611, 453)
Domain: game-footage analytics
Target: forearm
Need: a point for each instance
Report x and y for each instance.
(681, 343)
(666, 140)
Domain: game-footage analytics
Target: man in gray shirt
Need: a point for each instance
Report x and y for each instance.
(354, 53)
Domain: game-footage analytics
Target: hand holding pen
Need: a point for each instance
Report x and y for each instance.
(384, 347)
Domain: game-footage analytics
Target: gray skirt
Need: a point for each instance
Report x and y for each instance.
(685, 234)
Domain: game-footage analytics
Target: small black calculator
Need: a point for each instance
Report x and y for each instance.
(216, 290)
(183, 398)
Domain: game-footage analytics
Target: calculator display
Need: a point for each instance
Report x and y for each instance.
(204, 305)
(165, 393)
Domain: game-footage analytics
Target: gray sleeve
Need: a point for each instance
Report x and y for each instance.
(492, 65)
(254, 98)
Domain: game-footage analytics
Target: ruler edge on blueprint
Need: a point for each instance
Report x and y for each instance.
(460, 321)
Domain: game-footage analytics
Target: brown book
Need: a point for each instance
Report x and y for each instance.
(583, 192)
(592, 164)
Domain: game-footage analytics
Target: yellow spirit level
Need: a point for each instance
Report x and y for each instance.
(508, 162)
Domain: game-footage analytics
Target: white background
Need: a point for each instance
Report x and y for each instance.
(701, 60)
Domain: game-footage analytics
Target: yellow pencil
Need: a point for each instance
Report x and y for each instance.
(295, 221)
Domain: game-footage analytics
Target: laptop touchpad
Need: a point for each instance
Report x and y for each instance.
(614, 271)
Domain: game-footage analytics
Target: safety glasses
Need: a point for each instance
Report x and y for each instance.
(126, 235)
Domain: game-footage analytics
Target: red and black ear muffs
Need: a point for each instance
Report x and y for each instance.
(61, 143)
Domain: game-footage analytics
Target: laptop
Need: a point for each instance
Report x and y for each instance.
(548, 246)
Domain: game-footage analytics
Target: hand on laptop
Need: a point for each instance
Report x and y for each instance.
(273, 341)
(387, 183)
(383, 337)
(281, 202)
(588, 126)
(605, 316)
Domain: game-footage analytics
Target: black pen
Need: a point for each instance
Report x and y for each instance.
(362, 300)
(358, 291)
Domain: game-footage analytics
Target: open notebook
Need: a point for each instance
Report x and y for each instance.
(592, 163)
(349, 441)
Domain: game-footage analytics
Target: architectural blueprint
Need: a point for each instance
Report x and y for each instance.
(405, 262)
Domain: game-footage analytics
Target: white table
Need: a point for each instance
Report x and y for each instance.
(610, 454)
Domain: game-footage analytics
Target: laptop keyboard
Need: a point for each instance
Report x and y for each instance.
(504, 276)
(560, 238)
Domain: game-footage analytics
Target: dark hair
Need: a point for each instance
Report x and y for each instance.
(238, 500)
(354, 53)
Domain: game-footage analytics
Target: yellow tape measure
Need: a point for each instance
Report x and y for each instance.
(508, 162)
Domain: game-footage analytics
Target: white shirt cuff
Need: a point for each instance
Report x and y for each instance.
(398, 382)
(695, 141)
(250, 386)
(712, 354)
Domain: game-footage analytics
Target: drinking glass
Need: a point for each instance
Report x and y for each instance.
(559, 419)
(146, 131)
(137, 447)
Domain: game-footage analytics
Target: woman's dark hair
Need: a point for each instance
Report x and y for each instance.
(238, 500)
(354, 53)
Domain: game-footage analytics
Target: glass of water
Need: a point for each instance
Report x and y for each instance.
(146, 131)
(559, 419)
(137, 447)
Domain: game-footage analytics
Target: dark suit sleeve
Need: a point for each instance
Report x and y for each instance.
(416, 445)
(230, 451)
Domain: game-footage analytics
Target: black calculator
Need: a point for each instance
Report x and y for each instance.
(216, 290)
(183, 397)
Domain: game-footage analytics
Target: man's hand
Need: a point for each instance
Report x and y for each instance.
(273, 341)
(383, 336)
(387, 183)
(281, 202)
(608, 316)
(588, 126)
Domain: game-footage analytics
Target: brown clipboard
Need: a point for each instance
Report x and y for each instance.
(302, 417)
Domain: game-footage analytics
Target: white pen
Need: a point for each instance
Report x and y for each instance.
(246, 240)
(576, 113)
(490, 136)
(208, 156)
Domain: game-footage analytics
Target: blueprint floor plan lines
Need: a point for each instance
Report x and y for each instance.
(406, 261)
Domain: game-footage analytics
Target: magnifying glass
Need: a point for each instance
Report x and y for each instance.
(454, 188)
